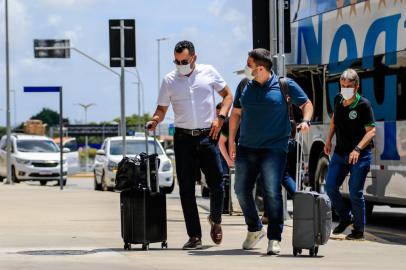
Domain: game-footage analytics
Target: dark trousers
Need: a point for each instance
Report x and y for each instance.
(189, 150)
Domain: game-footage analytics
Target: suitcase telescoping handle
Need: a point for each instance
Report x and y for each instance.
(299, 159)
(148, 162)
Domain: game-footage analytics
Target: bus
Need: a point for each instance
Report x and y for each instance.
(329, 36)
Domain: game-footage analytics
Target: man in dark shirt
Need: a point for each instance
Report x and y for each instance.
(354, 125)
(261, 112)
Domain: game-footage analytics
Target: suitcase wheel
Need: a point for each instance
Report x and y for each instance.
(164, 245)
(313, 251)
(145, 246)
(297, 251)
(127, 246)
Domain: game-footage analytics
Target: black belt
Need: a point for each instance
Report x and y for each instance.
(194, 132)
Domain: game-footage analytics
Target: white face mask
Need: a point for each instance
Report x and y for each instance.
(184, 69)
(347, 93)
(248, 73)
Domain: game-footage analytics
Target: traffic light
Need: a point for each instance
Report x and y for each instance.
(51, 48)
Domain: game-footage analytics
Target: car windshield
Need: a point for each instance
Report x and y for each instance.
(133, 147)
(43, 146)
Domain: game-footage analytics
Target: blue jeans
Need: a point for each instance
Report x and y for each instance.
(337, 171)
(271, 164)
(203, 152)
(289, 183)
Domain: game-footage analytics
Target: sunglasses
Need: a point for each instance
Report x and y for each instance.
(183, 62)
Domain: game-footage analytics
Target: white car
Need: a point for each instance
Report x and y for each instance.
(33, 158)
(110, 154)
(72, 157)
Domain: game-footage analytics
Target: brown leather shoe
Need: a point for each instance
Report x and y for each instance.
(193, 243)
(216, 232)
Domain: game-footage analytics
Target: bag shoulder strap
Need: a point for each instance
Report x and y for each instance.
(283, 84)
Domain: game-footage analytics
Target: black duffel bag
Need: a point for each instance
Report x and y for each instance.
(132, 172)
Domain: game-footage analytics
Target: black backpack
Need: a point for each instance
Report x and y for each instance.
(132, 172)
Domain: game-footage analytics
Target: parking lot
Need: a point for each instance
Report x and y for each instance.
(79, 228)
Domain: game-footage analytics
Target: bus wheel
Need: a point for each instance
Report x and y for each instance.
(321, 174)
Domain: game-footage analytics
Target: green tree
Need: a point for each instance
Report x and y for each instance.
(135, 120)
(49, 117)
(3, 131)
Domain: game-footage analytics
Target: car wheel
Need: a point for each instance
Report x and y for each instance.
(321, 174)
(169, 190)
(104, 186)
(97, 186)
(14, 175)
(43, 182)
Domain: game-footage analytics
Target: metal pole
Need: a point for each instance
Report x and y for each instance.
(139, 101)
(15, 107)
(281, 36)
(61, 138)
(86, 144)
(9, 178)
(159, 64)
(122, 87)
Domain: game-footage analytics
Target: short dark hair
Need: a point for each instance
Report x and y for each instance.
(184, 44)
(262, 57)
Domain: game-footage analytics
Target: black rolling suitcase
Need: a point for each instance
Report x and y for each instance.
(143, 210)
(311, 214)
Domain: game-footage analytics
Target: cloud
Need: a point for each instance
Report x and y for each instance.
(216, 7)
(54, 20)
(239, 22)
(74, 35)
(19, 21)
(63, 4)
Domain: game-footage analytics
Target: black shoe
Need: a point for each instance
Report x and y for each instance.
(355, 235)
(341, 227)
(193, 243)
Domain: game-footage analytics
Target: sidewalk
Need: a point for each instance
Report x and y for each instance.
(45, 228)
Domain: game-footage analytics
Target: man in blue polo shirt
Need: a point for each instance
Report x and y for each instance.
(261, 111)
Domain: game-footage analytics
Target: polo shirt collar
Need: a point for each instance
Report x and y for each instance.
(269, 82)
(355, 103)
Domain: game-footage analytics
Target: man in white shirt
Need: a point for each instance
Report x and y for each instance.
(190, 89)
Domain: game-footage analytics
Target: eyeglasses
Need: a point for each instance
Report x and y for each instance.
(183, 62)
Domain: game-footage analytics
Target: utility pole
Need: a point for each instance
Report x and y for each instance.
(9, 177)
(158, 40)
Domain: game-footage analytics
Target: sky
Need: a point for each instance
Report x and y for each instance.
(221, 31)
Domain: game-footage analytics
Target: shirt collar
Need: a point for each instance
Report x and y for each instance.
(270, 82)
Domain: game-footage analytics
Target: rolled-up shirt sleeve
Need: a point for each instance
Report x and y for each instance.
(296, 93)
(163, 97)
(218, 82)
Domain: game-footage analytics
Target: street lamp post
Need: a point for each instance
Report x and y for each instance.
(158, 40)
(85, 107)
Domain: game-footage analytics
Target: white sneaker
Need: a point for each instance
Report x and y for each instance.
(252, 239)
(274, 247)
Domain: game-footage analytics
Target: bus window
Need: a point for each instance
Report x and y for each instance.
(311, 82)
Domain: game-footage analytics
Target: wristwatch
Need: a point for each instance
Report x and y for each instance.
(307, 122)
(357, 149)
(222, 117)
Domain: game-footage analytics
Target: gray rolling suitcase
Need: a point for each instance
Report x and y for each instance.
(311, 214)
